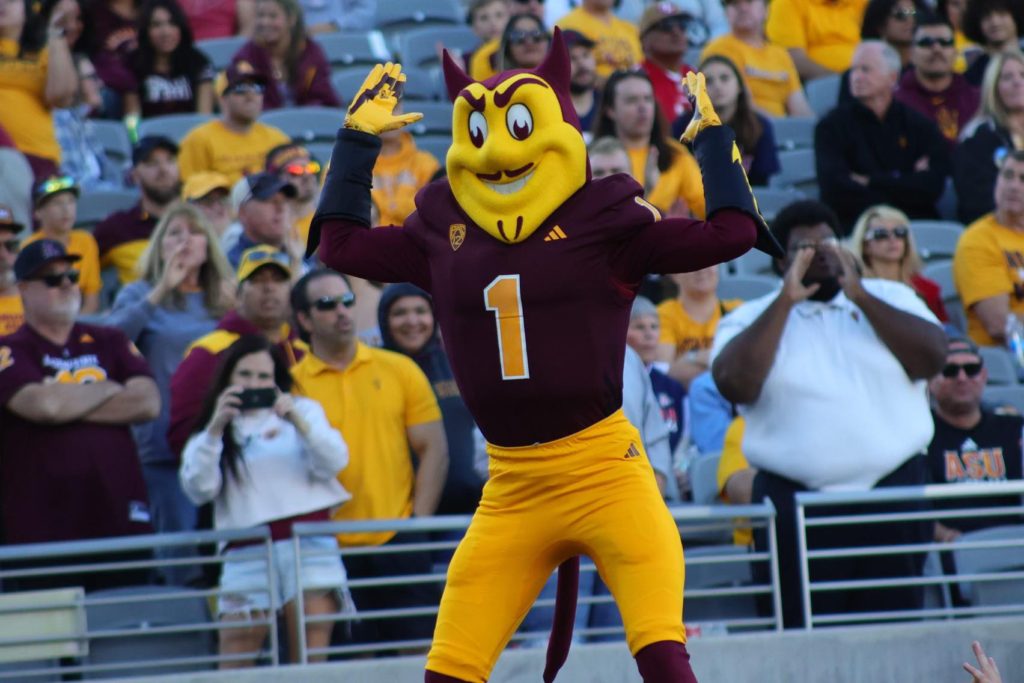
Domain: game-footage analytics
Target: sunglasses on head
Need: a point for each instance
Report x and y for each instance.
(56, 184)
(952, 370)
(534, 36)
(929, 41)
(268, 255)
(298, 168)
(57, 279)
(903, 13)
(245, 88)
(879, 234)
(10, 245)
(329, 303)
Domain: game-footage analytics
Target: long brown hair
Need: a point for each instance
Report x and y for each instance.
(744, 123)
(296, 38)
(604, 125)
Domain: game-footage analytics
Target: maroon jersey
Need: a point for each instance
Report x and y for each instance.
(79, 479)
(536, 331)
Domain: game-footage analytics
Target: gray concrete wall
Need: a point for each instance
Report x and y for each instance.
(904, 653)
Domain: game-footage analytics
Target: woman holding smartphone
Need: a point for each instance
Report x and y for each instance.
(264, 456)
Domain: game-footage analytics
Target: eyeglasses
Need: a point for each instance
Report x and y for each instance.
(903, 14)
(55, 280)
(666, 25)
(244, 89)
(330, 303)
(534, 36)
(11, 245)
(879, 234)
(929, 41)
(829, 242)
(297, 168)
(952, 370)
(55, 184)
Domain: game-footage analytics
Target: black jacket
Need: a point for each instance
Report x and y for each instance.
(974, 169)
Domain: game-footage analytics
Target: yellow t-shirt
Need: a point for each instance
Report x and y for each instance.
(685, 333)
(372, 402)
(480, 68)
(962, 46)
(214, 147)
(617, 41)
(989, 261)
(12, 315)
(397, 178)
(768, 70)
(680, 181)
(300, 227)
(732, 461)
(24, 113)
(81, 243)
(828, 30)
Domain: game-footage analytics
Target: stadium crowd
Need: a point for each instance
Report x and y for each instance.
(178, 364)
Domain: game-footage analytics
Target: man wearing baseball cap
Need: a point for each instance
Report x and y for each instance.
(264, 214)
(236, 143)
(209, 192)
(11, 312)
(617, 44)
(124, 234)
(264, 285)
(664, 40)
(293, 164)
(69, 392)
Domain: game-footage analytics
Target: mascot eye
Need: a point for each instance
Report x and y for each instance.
(477, 128)
(519, 121)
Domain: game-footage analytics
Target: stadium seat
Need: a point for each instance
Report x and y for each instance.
(942, 273)
(346, 82)
(936, 239)
(992, 560)
(95, 206)
(394, 16)
(423, 83)
(141, 614)
(113, 137)
(747, 287)
(718, 575)
(1002, 368)
(798, 172)
(174, 126)
(221, 50)
(418, 47)
(771, 200)
(321, 151)
(704, 478)
(365, 48)
(437, 119)
(754, 262)
(794, 132)
(307, 124)
(435, 144)
(1011, 395)
(823, 94)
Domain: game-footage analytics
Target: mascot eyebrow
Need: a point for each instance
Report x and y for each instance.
(478, 103)
(501, 98)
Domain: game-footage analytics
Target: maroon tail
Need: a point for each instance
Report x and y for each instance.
(565, 616)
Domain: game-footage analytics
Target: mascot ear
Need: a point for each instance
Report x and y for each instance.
(455, 79)
(556, 67)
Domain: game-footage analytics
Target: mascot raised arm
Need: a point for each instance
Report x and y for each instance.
(533, 268)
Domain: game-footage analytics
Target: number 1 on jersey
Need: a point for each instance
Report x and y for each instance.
(502, 297)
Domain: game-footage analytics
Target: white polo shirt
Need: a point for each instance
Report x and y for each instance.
(837, 410)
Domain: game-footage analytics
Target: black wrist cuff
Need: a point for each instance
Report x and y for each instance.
(346, 191)
(726, 185)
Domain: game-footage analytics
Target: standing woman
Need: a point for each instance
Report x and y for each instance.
(180, 296)
(37, 74)
(275, 464)
(171, 75)
(294, 65)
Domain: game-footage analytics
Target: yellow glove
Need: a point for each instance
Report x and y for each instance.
(372, 110)
(704, 115)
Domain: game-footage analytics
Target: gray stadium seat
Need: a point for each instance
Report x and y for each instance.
(794, 132)
(142, 615)
(823, 93)
(942, 273)
(394, 16)
(321, 151)
(771, 200)
(1008, 395)
(1002, 368)
(936, 239)
(798, 172)
(221, 50)
(174, 126)
(346, 82)
(992, 560)
(365, 48)
(418, 47)
(95, 206)
(704, 478)
(754, 262)
(113, 137)
(747, 287)
(437, 118)
(423, 83)
(718, 575)
(307, 124)
(435, 144)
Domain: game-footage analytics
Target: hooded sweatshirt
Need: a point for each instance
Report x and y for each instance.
(463, 486)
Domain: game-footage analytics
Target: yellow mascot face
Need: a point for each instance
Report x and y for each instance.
(517, 153)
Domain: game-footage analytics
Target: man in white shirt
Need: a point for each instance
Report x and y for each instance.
(830, 374)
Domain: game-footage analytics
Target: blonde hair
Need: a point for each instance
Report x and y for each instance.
(214, 272)
(991, 106)
(910, 264)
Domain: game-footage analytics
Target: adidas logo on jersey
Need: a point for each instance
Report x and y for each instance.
(633, 452)
(556, 233)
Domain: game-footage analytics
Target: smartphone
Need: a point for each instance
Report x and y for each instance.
(257, 398)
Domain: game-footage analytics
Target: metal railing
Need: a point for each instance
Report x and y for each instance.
(808, 501)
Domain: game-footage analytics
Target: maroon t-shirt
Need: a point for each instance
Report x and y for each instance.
(950, 109)
(113, 38)
(79, 479)
(576, 278)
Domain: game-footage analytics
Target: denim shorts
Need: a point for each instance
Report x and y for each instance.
(245, 583)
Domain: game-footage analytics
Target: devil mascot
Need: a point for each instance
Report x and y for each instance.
(533, 267)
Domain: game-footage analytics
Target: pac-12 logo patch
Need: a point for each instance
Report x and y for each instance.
(456, 235)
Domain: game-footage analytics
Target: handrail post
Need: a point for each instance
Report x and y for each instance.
(805, 573)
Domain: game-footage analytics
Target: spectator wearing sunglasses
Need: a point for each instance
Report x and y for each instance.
(384, 405)
(264, 279)
(236, 144)
(931, 86)
(11, 312)
(399, 173)
(69, 392)
(883, 242)
(293, 164)
(664, 42)
(820, 36)
(972, 443)
(988, 266)
(55, 203)
(617, 41)
(997, 26)
(524, 42)
(893, 21)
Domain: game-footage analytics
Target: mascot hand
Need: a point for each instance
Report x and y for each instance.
(372, 110)
(704, 115)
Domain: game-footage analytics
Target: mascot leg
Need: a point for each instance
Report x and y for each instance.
(666, 661)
